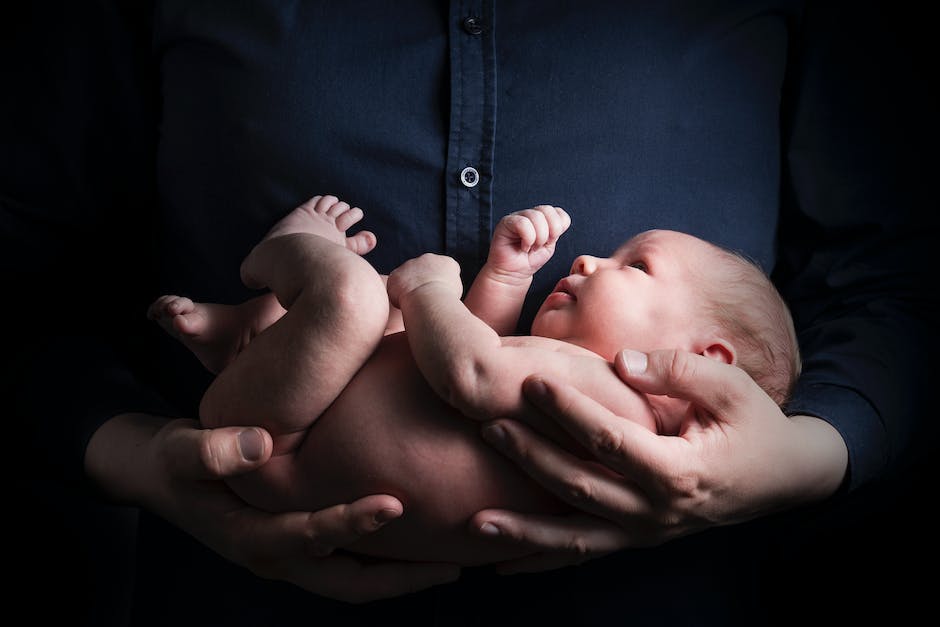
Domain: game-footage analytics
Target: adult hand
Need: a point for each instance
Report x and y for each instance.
(174, 468)
(736, 457)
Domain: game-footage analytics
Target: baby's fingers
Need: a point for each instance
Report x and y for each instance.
(539, 222)
(558, 223)
(522, 227)
(551, 223)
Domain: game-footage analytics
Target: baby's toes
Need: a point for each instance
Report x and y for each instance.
(310, 206)
(339, 208)
(168, 306)
(178, 306)
(325, 204)
(192, 323)
(155, 310)
(347, 218)
(362, 242)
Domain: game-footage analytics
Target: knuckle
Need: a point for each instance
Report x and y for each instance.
(210, 454)
(680, 368)
(315, 539)
(684, 484)
(522, 451)
(580, 548)
(668, 518)
(608, 441)
(580, 488)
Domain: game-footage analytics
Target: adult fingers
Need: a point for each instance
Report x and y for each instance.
(714, 386)
(195, 453)
(586, 486)
(341, 525)
(263, 541)
(615, 441)
(299, 547)
(555, 541)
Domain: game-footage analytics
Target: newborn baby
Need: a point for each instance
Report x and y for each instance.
(394, 375)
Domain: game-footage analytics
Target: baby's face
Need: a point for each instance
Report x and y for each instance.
(642, 297)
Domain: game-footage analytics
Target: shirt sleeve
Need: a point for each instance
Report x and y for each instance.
(854, 238)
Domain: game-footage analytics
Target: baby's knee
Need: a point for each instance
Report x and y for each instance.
(355, 294)
(363, 295)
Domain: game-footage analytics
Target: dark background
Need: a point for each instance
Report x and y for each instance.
(72, 557)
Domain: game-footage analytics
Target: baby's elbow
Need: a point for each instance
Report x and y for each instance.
(470, 387)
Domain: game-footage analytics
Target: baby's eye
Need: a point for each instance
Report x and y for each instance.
(639, 265)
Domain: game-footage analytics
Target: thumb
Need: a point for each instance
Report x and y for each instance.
(704, 382)
(195, 453)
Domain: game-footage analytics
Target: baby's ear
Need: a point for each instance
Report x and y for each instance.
(721, 350)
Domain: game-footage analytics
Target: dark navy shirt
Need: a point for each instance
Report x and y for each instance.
(761, 126)
(682, 115)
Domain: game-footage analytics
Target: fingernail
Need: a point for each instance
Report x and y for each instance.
(635, 361)
(384, 515)
(494, 434)
(251, 445)
(489, 529)
(536, 387)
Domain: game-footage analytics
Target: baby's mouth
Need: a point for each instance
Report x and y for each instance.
(565, 287)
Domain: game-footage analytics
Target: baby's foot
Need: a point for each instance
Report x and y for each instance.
(214, 333)
(328, 217)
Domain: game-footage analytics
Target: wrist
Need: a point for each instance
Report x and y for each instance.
(824, 457)
(432, 288)
(506, 277)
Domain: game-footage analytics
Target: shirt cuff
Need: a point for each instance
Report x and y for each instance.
(856, 421)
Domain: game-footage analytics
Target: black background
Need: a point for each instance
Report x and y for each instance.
(71, 557)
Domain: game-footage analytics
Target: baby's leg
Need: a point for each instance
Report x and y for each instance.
(215, 333)
(337, 310)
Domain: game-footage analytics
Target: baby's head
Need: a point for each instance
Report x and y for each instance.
(664, 289)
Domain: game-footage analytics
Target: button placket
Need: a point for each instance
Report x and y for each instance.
(471, 135)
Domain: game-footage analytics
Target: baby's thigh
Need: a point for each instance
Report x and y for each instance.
(289, 374)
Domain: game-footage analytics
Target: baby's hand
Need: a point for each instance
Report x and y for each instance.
(525, 240)
(424, 270)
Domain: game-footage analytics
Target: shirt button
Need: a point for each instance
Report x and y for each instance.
(469, 177)
(473, 25)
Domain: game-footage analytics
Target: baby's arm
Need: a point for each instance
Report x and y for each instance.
(480, 373)
(522, 243)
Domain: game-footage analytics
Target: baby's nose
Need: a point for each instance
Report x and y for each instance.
(584, 264)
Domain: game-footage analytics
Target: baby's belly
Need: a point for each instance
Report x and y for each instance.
(388, 433)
